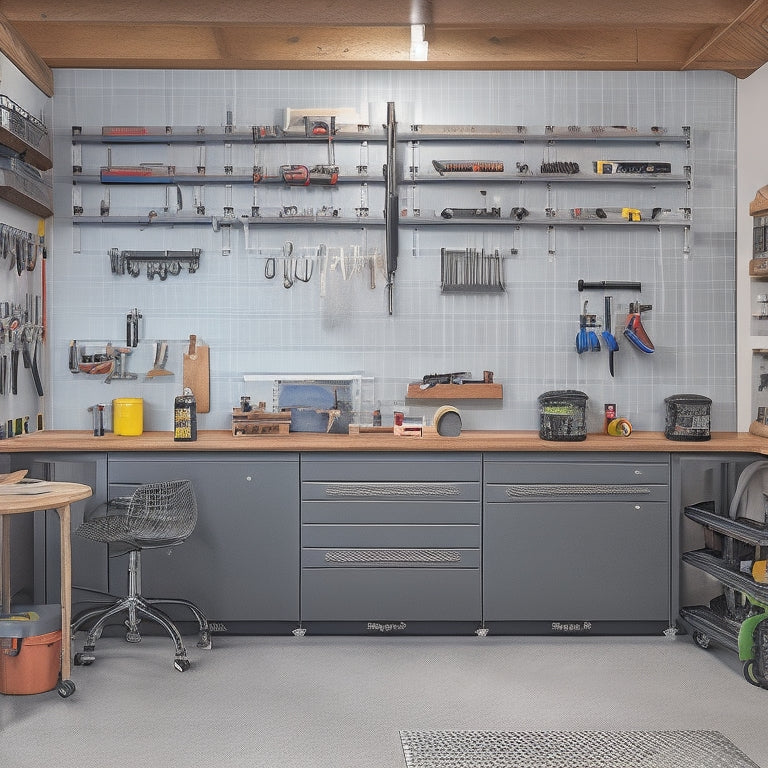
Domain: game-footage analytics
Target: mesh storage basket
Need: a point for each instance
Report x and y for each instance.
(687, 417)
(563, 415)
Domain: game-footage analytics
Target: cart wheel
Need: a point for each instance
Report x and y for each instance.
(182, 665)
(65, 688)
(701, 639)
(750, 672)
(83, 659)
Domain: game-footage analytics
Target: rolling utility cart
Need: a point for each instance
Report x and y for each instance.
(735, 552)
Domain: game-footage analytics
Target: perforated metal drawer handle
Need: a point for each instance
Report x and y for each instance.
(557, 489)
(392, 489)
(392, 556)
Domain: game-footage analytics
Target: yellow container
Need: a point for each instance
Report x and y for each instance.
(128, 415)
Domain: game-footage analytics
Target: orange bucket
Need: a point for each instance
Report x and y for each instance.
(36, 666)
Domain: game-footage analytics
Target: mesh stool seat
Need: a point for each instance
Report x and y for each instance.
(155, 515)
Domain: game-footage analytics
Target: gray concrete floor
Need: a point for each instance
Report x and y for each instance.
(340, 702)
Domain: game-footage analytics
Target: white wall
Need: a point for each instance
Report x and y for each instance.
(751, 124)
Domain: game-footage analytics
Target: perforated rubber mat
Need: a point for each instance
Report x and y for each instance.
(576, 749)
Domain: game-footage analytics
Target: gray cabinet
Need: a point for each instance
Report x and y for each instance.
(388, 540)
(89, 560)
(576, 543)
(241, 563)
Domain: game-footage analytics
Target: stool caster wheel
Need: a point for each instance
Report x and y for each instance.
(65, 688)
(84, 659)
(700, 639)
(181, 664)
(205, 641)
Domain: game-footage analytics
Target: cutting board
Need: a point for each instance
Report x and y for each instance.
(197, 374)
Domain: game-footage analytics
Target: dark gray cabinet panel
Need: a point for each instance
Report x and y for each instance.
(576, 538)
(579, 561)
(391, 537)
(242, 561)
(89, 560)
(390, 595)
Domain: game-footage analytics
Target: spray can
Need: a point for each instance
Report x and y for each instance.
(185, 417)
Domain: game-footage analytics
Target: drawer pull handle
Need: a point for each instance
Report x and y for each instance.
(392, 556)
(392, 489)
(556, 489)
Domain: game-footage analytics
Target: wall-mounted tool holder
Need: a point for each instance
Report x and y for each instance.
(471, 271)
(156, 263)
(21, 247)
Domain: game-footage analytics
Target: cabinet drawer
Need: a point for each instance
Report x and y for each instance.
(390, 513)
(391, 468)
(600, 468)
(390, 594)
(390, 536)
(392, 557)
(593, 491)
(398, 490)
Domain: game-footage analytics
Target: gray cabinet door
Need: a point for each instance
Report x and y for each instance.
(578, 561)
(576, 538)
(89, 560)
(242, 561)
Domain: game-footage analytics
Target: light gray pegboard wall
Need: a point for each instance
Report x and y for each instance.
(525, 335)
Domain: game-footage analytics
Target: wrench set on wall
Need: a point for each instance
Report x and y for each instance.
(21, 329)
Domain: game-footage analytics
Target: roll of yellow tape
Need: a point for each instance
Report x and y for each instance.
(128, 415)
(619, 428)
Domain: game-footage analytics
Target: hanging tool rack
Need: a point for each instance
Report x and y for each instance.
(160, 263)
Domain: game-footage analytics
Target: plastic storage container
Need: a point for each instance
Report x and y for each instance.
(128, 415)
(687, 417)
(30, 649)
(563, 415)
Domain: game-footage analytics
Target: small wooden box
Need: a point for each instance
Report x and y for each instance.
(260, 422)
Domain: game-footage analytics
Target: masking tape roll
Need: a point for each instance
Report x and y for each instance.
(619, 428)
(447, 421)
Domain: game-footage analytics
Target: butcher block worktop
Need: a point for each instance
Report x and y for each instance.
(471, 440)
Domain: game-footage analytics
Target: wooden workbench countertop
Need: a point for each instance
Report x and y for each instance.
(470, 440)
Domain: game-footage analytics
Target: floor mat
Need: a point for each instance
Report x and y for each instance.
(575, 749)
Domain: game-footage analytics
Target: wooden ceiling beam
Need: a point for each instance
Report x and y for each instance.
(25, 58)
(457, 13)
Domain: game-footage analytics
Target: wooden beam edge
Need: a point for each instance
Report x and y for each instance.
(24, 57)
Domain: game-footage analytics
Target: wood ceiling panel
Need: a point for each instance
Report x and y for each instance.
(305, 34)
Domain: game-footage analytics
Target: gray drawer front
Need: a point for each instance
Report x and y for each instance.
(390, 594)
(390, 536)
(594, 491)
(611, 471)
(393, 468)
(390, 557)
(629, 510)
(389, 513)
(398, 490)
(140, 468)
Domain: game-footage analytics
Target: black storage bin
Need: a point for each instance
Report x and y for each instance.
(563, 415)
(687, 417)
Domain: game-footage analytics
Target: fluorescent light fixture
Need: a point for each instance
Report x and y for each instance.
(419, 45)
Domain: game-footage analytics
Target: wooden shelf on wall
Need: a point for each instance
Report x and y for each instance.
(456, 392)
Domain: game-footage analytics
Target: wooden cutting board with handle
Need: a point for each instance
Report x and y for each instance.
(197, 373)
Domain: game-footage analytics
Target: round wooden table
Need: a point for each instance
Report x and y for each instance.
(56, 496)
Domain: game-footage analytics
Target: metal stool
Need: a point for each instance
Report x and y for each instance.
(155, 515)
